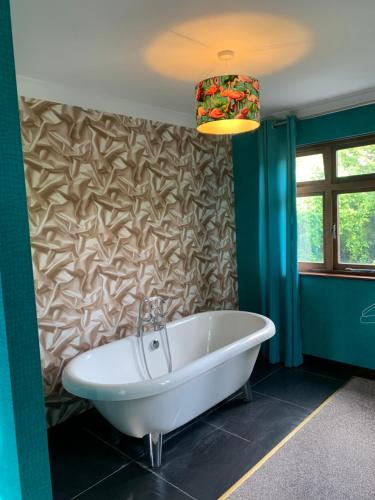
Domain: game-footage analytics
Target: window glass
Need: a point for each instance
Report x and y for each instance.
(310, 229)
(356, 227)
(310, 168)
(356, 161)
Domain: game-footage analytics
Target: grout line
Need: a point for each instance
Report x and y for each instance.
(182, 429)
(110, 445)
(221, 404)
(284, 401)
(163, 479)
(210, 411)
(274, 450)
(228, 432)
(213, 425)
(264, 378)
(325, 376)
(234, 396)
(224, 402)
(196, 420)
(100, 481)
(231, 398)
(133, 460)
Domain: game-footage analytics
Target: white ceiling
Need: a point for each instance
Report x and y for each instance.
(143, 57)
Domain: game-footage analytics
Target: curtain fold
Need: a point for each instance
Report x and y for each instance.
(277, 225)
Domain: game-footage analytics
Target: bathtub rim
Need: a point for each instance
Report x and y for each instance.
(96, 391)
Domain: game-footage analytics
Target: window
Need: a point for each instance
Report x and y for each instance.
(336, 207)
(310, 229)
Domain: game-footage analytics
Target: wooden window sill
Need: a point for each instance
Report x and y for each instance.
(324, 274)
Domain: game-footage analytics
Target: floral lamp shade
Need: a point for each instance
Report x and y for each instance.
(227, 104)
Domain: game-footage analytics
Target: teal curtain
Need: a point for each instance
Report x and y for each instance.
(277, 218)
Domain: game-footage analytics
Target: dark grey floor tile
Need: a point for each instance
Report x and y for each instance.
(78, 460)
(328, 368)
(202, 458)
(133, 483)
(262, 369)
(93, 422)
(297, 386)
(99, 426)
(264, 422)
(205, 461)
(197, 430)
(183, 428)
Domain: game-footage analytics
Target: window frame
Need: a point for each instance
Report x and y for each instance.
(316, 266)
(330, 188)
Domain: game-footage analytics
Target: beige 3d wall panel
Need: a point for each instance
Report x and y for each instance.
(120, 208)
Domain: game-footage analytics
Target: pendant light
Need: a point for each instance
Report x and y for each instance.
(227, 104)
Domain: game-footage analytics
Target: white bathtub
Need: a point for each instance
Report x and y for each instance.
(213, 355)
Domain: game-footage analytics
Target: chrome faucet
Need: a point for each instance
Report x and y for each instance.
(155, 316)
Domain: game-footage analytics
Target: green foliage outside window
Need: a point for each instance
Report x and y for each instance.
(310, 228)
(356, 161)
(356, 213)
(357, 227)
(357, 210)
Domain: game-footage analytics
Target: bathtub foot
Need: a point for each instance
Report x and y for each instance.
(247, 392)
(154, 446)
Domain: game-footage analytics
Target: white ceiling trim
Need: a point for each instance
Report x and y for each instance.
(326, 106)
(49, 91)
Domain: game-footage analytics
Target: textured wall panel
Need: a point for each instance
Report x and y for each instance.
(120, 208)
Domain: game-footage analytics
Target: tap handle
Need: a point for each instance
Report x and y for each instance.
(155, 309)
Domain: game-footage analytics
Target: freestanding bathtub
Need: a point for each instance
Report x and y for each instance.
(213, 355)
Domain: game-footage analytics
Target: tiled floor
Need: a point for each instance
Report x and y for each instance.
(90, 460)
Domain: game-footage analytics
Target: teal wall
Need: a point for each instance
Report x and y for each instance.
(246, 176)
(350, 123)
(24, 467)
(331, 313)
(10, 486)
(330, 307)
